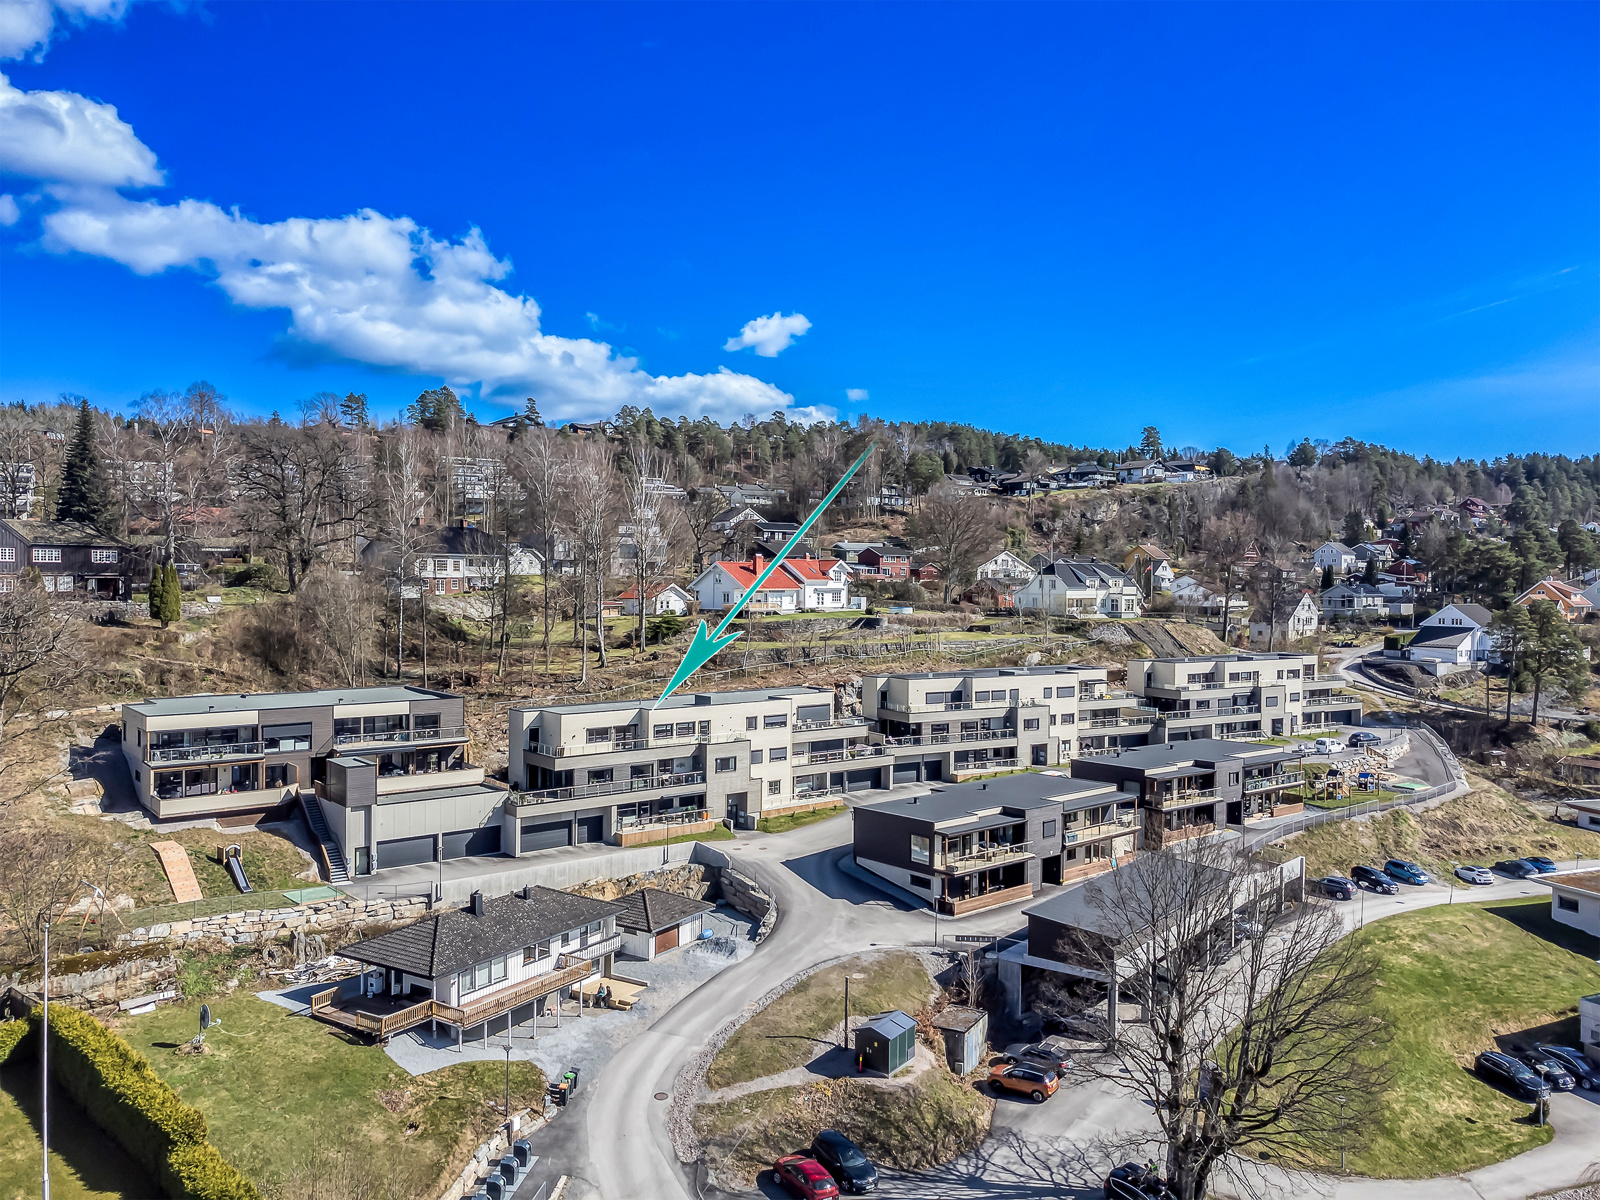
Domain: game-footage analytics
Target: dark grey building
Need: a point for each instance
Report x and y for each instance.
(976, 845)
(74, 560)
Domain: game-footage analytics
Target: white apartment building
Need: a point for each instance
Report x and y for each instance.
(1240, 696)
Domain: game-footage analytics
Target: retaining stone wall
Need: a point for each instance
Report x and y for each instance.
(745, 895)
(102, 988)
(695, 880)
(334, 917)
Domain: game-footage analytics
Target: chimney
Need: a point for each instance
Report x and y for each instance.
(527, 892)
(475, 905)
(758, 562)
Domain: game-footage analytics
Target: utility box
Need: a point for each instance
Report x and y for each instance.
(966, 1035)
(888, 1041)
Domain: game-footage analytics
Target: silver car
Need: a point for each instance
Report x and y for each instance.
(1474, 875)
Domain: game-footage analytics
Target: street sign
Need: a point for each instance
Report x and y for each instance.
(974, 937)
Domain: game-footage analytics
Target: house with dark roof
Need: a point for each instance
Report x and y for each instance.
(74, 559)
(653, 921)
(1082, 588)
(459, 558)
(489, 964)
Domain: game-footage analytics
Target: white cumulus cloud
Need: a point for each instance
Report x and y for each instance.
(62, 137)
(9, 212)
(855, 395)
(26, 25)
(769, 335)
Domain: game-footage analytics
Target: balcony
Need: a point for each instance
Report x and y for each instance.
(1118, 722)
(989, 856)
(1330, 701)
(417, 781)
(662, 826)
(832, 723)
(1104, 829)
(1324, 679)
(850, 754)
(987, 764)
(451, 733)
(612, 787)
(961, 706)
(1187, 797)
(1262, 783)
(581, 749)
(212, 752)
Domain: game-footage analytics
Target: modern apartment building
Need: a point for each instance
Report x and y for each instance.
(976, 845)
(1236, 695)
(1197, 787)
(946, 725)
(626, 772)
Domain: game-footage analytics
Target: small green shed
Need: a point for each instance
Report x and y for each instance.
(888, 1040)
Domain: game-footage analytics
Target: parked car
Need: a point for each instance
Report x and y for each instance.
(1130, 1181)
(1362, 738)
(1506, 1072)
(1327, 746)
(844, 1161)
(1555, 1072)
(805, 1177)
(1516, 868)
(1336, 887)
(1374, 880)
(1405, 872)
(1049, 1055)
(1034, 1082)
(1577, 1063)
(1247, 931)
(1478, 875)
(1540, 863)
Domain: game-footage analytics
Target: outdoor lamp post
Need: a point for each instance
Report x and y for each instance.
(44, 1058)
(1340, 1099)
(508, 1073)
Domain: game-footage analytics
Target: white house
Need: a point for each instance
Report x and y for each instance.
(1575, 899)
(1085, 588)
(812, 584)
(653, 921)
(1006, 565)
(730, 518)
(824, 582)
(1297, 618)
(459, 559)
(1470, 618)
(660, 598)
(1141, 470)
(1196, 599)
(1336, 555)
(1354, 599)
(1186, 470)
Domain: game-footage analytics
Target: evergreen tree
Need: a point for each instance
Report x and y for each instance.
(85, 495)
(1355, 528)
(171, 608)
(530, 414)
(1370, 575)
(158, 587)
(353, 408)
(1327, 578)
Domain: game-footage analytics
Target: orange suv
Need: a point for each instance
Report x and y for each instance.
(1037, 1083)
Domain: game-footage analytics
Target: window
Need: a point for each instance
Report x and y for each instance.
(774, 786)
(923, 882)
(938, 698)
(705, 728)
(775, 721)
(750, 722)
(7, 584)
(1015, 693)
(455, 565)
(1233, 777)
(919, 849)
(1049, 829)
(979, 697)
(8, 554)
(1293, 696)
(778, 754)
(755, 758)
(103, 556)
(1566, 904)
(278, 738)
(1049, 692)
(1069, 718)
(1030, 723)
(602, 734)
(46, 554)
(1272, 702)
(725, 765)
(683, 729)
(661, 731)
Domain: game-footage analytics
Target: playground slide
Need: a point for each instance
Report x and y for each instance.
(235, 866)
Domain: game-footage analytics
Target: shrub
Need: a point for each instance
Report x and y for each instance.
(15, 1044)
(201, 1173)
(257, 575)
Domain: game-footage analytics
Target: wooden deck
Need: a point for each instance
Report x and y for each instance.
(383, 1016)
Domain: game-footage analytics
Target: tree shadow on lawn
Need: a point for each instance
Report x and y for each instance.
(1533, 917)
(99, 1164)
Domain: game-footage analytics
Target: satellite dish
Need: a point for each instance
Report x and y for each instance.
(205, 1017)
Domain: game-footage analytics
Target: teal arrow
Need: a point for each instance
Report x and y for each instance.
(703, 645)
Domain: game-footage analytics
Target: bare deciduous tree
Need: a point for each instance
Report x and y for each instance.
(32, 637)
(594, 502)
(955, 530)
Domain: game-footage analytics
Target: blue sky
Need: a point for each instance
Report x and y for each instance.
(1244, 224)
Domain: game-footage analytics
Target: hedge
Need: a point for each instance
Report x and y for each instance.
(12, 1047)
(123, 1095)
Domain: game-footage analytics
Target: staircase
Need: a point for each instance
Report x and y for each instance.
(332, 856)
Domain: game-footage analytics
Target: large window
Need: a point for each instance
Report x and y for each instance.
(919, 849)
(46, 554)
(778, 754)
(775, 721)
(103, 556)
(278, 738)
(725, 765)
(482, 975)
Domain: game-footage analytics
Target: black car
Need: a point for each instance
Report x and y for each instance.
(1362, 738)
(1337, 887)
(1506, 1072)
(1374, 880)
(1515, 868)
(1555, 1072)
(1577, 1065)
(843, 1159)
(1130, 1181)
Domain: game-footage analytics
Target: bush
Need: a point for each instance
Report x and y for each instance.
(15, 1044)
(257, 575)
(1591, 730)
(202, 1173)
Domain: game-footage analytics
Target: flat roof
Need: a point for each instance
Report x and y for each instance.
(1111, 904)
(1172, 754)
(1025, 790)
(221, 702)
(685, 700)
(995, 672)
(1578, 881)
(1264, 656)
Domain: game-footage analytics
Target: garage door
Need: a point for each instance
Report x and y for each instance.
(537, 836)
(932, 769)
(472, 842)
(905, 772)
(667, 940)
(860, 781)
(591, 829)
(405, 852)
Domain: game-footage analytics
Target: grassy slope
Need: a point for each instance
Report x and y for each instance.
(280, 1088)
(788, 821)
(84, 1163)
(1452, 979)
(789, 1031)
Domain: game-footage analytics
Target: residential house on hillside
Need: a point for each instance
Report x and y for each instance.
(740, 494)
(1296, 618)
(1195, 599)
(458, 558)
(75, 560)
(925, 573)
(735, 515)
(1186, 470)
(885, 559)
(661, 598)
(1005, 565)
(1355, 600)
(798, 584)
(1456, 618)
(1366, 551)
(1141, 470)
(1145, 558)
(1092, 474)
(1335, 555)
(1574, 605)
(1082, 587)
(1474, 511)
(824, 583)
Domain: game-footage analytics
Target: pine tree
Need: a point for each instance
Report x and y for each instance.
(353, 408)
(158, 584)
(1370, 575)
(85, 495)
(1327, 578)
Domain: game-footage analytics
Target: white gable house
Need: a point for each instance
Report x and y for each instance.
(1005, 565)
(1336, 555)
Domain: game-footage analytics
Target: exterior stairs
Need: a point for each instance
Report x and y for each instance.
(332, 856)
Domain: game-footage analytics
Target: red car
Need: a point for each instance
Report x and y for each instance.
(805, 1177)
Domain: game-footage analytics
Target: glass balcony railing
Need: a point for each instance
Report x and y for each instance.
(210, 752)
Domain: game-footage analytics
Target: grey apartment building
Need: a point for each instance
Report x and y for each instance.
(1236, 695)
(976, 845)
(950, 724)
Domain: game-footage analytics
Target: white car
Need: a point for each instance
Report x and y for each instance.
(1474, 875)
(1327, 746)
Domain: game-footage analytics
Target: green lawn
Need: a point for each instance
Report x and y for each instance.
(790, 1031)
(1452, 979)
(787, 821)
(286, 1096)
(717, 833)
(84, 1163)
